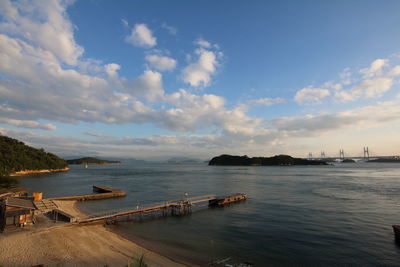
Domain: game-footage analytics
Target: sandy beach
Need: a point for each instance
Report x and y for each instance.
(72, 245)
(28, 172)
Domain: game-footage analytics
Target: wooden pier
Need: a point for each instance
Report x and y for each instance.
(173, 208)
(103, 192)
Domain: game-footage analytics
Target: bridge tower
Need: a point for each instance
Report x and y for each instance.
(341, 154)
(366, 153)
(322, 154)
(310, 155)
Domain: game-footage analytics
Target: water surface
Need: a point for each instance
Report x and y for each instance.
(304, 215)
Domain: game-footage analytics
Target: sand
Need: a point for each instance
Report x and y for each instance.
(73, 245)
(27, 172)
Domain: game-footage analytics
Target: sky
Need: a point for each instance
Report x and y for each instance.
(156, 79)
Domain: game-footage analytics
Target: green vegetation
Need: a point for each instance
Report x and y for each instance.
(89, 160)
(262, 161)
(137, 262)
(16, 156)
(7, 182)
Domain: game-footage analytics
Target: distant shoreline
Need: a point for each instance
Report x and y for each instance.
(27, 172)
(91, 161)
(106, 163)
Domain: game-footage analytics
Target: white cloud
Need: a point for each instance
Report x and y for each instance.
(314, 125)
(372, 87)
(368, 88)
(395, 71)
(311, 95)
(371, 82)
(111, 69)
(199, 73)
(344, 96)
(35, 85)
(197, 111)
(203, 43)
(47, 91)
(148, 85)
(267, 101)
(141, 36)
(28, 124)
(21, 20)
(375, 68)
(162, 63)
(172, 30)
(125, 22)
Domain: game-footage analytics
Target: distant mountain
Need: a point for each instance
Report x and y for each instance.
(16, 156)
(91, 160)
(280, 160)
(175, 160)
(130, 160)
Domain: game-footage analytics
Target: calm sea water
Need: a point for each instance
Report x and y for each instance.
(319, 215)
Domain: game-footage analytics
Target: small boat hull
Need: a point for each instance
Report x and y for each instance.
(396, 230)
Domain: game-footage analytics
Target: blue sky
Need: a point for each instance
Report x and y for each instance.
(153, 79)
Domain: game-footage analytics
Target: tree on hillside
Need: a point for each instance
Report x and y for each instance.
(16, 156)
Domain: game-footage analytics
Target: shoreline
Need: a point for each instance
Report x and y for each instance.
(159, 249)
(74, 245)
(135, 241)
(27, 172)
(152, 246)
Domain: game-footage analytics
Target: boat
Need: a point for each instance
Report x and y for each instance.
(396, 230)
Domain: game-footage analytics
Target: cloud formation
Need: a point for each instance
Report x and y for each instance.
(198, 73)
(172, 30)
(161, 63)
(53, 81)
(39, 87)
(29, 124)
(367, 83)
(311, 95)
(39, 22)
(141, 36)
(267, 101)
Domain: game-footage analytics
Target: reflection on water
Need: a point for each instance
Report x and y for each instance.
(319, 215)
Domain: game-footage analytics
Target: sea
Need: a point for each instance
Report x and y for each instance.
(336, 215)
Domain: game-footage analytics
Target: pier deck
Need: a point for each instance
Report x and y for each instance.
(180, 207)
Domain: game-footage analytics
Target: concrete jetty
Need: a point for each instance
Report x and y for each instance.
(103, 192)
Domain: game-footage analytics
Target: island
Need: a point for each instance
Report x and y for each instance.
(348, 161)
(91, 161)
(279, 160)
(17, 158)
(386, 160)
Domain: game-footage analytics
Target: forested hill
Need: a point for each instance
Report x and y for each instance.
(280, 160)
(89, 160)
(16, 156)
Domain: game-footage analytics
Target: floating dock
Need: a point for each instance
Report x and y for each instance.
(220, 201)
(103, 192)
